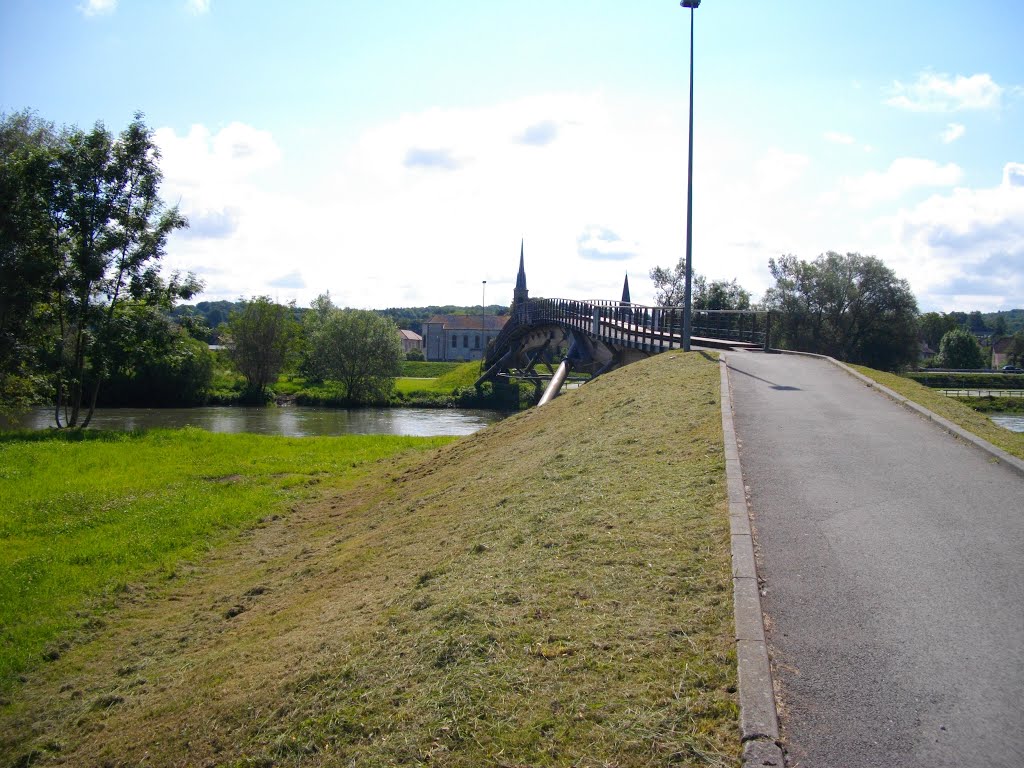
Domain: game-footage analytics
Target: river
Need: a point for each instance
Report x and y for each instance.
(289, 421)
(1011, 421)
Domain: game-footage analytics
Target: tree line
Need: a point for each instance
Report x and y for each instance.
(86, 313)
(852, 307)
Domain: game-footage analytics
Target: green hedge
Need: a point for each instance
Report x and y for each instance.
(994, 404)
(946, 380)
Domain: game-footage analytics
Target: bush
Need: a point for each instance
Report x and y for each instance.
(959, 349)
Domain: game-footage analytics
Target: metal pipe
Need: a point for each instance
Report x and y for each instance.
(555, 385)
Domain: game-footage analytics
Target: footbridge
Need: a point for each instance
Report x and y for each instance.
(586, 338)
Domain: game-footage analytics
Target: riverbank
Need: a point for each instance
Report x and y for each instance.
(950, 408)
(554, 590)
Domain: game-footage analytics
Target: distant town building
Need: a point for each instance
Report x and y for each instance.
(410, 340)
(460, 337)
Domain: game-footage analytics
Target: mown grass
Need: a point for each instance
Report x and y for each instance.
(426, 369)
(83, 515)
(950, 408)
(461, 375)
(551, 591)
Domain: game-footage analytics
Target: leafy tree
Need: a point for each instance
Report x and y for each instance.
(719, 294)
(314, 365)
(166, 367)
(933, 326)
(359, 349)
(1015, 354)
(262, 336)
(85, 232)
(852, 307)
(415, 354)
(960, 349)
(113, 228)
(670, 288)
(28, 262)
(976, 323)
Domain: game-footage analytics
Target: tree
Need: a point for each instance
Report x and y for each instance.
(670, 286)
(27, 254)
(933, 326)
(960, 349)
(1015, 354)
(112, 228)
(163, 366)
(852, 307)
(85, 232)
(719, 294)
(357, 348)
(262, 335)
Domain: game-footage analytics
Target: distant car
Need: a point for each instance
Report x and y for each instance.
(1012, 369)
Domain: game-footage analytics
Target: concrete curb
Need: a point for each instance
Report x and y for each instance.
(759, 721)
(945, 424)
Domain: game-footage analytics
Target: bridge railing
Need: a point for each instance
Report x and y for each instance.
(651, 329)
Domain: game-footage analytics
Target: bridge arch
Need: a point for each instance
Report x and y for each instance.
(595, 336)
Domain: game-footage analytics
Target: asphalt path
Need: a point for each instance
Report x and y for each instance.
(892, 561)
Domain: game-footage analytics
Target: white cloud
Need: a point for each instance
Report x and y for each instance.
(599, 193)
(966, 248)
(98, 7)
(219, 180)
(953, 132)
(197, 7)
(902, 176)
(942, 93)
(836, 137)
(778, 169)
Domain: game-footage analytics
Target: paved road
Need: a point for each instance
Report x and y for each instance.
(893, 561)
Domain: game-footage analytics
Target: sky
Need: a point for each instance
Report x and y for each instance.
(397, 154)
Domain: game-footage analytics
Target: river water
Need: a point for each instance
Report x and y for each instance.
(289, 421)
(1011, 421)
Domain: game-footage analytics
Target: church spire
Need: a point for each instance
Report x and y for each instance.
(625, 290)
(520, 296)
(521, 278)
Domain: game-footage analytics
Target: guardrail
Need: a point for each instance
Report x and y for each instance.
(982, 392)
(651, 329)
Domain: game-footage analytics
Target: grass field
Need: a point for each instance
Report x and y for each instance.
(949, 408)
(551, 591)
(84, 515)
(426, 369)
(459, 375)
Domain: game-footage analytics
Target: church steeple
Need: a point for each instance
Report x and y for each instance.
(625, 290)
(521, 294)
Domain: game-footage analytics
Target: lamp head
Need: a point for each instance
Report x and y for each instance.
(689, 4)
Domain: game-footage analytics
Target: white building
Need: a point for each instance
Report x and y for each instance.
(460, 337)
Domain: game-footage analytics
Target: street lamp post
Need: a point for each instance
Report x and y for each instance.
(692, 5)
(483, 323)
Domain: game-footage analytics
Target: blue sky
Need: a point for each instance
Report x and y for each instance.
(396, 153)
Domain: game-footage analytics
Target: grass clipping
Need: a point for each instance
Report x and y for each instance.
(554, 590)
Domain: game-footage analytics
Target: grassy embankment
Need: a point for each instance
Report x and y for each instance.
(84, 515)
(950, 408)
(554, 590)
